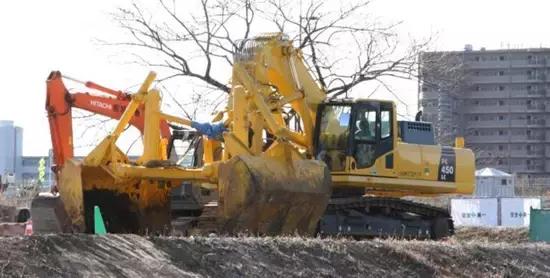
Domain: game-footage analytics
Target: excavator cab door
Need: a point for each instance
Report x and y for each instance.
(185, 150)
(333, 135)
(361, 129)
(372, 131)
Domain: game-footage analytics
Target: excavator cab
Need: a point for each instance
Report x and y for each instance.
(353, 134)
(184, 149)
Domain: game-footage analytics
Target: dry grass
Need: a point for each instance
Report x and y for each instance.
(135, 256)
(498, 234)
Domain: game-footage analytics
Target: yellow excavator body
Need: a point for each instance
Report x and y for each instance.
(262, 190)
(276, 155)
(400, 168)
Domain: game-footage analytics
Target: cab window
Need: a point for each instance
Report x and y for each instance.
(372, 133)
(333, 136)
(365, 125)
(385, 129)
(365, 136)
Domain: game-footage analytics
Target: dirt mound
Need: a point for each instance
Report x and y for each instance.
(135, 256)
(510, 235)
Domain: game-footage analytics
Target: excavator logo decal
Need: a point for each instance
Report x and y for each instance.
(447, 165)
(101, 104)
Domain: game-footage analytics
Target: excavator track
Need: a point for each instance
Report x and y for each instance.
(207, 222)
(362, 217)
(357, 217)
(204, 224)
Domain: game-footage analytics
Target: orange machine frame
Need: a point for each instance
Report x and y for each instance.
(59, 104)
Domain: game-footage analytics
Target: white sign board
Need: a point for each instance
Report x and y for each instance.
(475, 212)
(515, 212)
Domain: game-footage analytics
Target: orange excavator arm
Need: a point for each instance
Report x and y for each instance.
(59, 104)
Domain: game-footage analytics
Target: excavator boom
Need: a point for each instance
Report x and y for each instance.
(59, 105)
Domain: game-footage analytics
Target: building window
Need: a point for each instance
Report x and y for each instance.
(477, 58)
(528, 72)
(476, 133)
(476, 118)
(501, 73)
(500, 162)
(503, 182)
(501, 88)
(30, 162)
(528, 147)
(529, 102)
(476, 102)
(500, 118)
(500, 147)
(528, 162)
(528, 87)
(528, 132)
(501, 102)
(501, 132)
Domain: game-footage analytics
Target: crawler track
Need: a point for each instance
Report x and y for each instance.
(382, 216)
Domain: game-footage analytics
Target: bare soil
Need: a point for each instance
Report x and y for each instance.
(136, 256)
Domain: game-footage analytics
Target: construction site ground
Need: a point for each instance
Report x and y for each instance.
(470, 253)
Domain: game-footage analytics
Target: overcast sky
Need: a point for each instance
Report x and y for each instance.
(40, 36)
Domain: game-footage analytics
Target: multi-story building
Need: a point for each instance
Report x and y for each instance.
(29, 169)
(499, 100)
(12, 161)
(11, 148)
(25, 168)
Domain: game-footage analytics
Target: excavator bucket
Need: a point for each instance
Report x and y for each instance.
(63, 212)
(139, 206)
(267, 196)
(257, 195)
(127, 205)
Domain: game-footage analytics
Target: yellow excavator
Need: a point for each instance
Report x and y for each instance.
(281, 158)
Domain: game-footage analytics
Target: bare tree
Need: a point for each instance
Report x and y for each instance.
(343, 45)
(443, 82)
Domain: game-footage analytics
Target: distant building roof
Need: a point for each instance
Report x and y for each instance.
(502, 50)
(491, 172)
